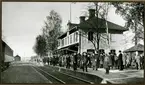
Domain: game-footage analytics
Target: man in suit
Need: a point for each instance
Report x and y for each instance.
(120, 61)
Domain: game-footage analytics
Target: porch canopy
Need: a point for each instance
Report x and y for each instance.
(91, 24)
(138, 47)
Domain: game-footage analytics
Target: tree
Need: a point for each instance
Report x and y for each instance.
(133, 14)
(40, 46)
(51, 30)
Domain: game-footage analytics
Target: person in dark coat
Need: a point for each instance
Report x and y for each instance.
(120, 61)
(115, 60)
(85, 61)
(79, 60)
(142, 61)
(89, 60)
(112, 60)
(75, 60)
(68, 61)
(102, 56)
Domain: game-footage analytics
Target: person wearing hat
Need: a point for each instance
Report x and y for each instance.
(89, 60)
(120, 61)
(85, 61)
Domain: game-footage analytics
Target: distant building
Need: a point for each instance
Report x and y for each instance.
(73, 40)
(17, 58)
(131, 51)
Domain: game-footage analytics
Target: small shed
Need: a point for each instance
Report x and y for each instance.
(132, 50)
(17, 58)
(138, 47)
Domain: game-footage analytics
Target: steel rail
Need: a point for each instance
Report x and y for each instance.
(52, 76)
(78, 78)
(75, 77)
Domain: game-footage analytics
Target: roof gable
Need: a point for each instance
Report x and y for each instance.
(138, 47)
(91, 24)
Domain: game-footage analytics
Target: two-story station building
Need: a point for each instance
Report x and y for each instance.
(76, 38)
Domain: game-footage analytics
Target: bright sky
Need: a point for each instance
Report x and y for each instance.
(22, 21)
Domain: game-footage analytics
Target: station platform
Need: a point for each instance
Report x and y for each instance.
(115, 76)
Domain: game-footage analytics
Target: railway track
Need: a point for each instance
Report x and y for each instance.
(81, 79)
(59, 77)
(50, 77)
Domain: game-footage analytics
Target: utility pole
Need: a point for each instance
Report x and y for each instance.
(107, 30)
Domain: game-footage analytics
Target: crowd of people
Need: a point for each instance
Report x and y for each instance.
(98, 60)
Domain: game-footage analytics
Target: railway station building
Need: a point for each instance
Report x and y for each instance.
(76, 39)
(17, 58)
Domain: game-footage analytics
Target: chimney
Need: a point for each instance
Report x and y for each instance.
(91, 13)
(82, 19)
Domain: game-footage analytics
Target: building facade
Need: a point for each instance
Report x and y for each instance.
(17, 58)
(77, 40)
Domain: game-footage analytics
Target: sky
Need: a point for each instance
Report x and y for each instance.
(23, 21)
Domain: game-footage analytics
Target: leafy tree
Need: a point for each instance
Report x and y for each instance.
(51, 30)
(40, 46)
(133, 14)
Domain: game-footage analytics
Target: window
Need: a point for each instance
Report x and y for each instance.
(70, 38)
(66, 40)
(90, 36)
(77, 37)
(74, 37)
(58, 42)
(62, 42)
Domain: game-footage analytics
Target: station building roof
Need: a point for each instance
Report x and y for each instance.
(138, 47)
(91, 25)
